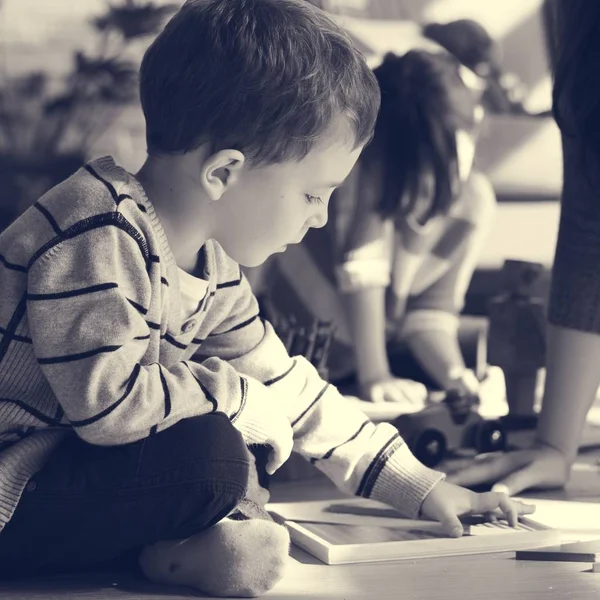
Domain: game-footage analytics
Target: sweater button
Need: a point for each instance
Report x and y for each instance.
(189, 326)
(31, 486)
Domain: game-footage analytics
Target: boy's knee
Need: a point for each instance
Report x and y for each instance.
(478, 200)
(207, 435)
(209, 441)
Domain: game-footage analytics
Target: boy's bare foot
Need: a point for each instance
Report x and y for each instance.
(233, 558)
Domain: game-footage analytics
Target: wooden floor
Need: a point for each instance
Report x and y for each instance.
(492, 576)
(462, 578)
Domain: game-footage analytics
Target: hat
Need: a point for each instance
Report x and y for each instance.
(467, 40)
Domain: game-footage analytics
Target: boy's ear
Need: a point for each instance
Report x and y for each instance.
(220, 171)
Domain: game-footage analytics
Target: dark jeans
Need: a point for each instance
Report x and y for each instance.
(95, 505)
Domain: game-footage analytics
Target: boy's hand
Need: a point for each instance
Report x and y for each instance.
(447, 502)
(392, 389)
(263, 422)
(281, 440)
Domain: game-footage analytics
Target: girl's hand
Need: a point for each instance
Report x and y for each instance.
(392, 389)
(466, 383)
(447, 502)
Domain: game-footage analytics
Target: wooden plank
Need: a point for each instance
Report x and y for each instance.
(588, 551)
(359, 531)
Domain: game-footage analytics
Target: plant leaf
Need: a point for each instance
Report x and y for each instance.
(135, 19)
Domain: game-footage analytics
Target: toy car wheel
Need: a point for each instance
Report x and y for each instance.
(430, 447)
(490, 436)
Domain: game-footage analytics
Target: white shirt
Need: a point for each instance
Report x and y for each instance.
(192, 290)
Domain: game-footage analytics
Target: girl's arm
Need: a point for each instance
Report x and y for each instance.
(439, 353)
(365, 309)
(363, 243)
(363, 268)
(363, 276)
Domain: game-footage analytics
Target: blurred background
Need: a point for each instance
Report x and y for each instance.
(68, 93)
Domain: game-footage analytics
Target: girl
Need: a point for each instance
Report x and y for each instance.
(392, 267)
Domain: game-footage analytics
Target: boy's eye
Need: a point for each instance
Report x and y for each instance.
(314, 199)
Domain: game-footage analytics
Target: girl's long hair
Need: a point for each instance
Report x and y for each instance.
(423, 103)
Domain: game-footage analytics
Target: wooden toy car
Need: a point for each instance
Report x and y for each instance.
(447, 426)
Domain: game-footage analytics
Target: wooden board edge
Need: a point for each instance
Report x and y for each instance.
(410, 550)
(310, 542)
(535, 524)
(432, 548)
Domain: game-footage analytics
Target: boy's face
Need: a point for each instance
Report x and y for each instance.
(272, 206)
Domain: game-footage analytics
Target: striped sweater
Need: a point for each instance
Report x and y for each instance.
(93, 339)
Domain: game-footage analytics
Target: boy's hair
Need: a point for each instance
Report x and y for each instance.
(424, 102)
(266, 77)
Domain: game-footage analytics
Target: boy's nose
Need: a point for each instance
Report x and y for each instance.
(319, 220)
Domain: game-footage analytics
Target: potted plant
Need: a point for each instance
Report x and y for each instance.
(48, 128)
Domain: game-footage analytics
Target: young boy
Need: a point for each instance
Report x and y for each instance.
(134, 369)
